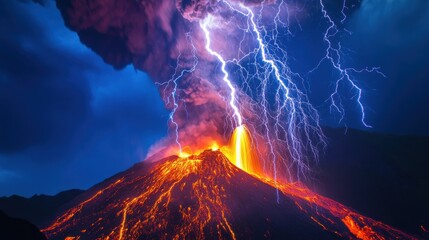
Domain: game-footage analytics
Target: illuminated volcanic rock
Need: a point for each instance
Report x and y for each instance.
(207, 197)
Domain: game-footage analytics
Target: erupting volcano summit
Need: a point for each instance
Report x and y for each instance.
(224, 65)
(207, 197)
(222, 68)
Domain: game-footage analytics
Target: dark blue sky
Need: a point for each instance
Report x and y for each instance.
(68, 120)
(394, 35)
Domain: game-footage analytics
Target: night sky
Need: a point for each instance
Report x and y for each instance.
(69, 120)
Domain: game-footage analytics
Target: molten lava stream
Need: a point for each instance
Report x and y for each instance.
(149, 206)
(208, 197)
(359, 226)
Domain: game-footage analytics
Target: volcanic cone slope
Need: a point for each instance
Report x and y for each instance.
(201, 197)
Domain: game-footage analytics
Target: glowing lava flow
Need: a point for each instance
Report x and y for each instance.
(68, 215)
(327, 211)
(207, 197)
(178, 198)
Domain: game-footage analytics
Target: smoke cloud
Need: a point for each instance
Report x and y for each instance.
(151, 35)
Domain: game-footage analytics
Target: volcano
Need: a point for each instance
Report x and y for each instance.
(208, 197)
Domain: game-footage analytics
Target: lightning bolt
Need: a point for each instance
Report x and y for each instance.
(179, 72)
(232, 101)
(279, 111)
(287, 105)
(333, 56)
(294, 117)
(294, 121)
(233, 98)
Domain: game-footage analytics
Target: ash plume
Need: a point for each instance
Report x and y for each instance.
(165, 39)
(219, 65)
(151, 35)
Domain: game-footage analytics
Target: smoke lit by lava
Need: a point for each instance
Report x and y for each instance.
(221, 65)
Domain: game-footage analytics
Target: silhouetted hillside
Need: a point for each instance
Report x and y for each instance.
(38, 209)
(17, 229)
(382, 176)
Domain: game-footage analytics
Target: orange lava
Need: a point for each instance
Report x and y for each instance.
(359, 226)
(149, 213)
(71, 212)
(185, 198)
(240, 151)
